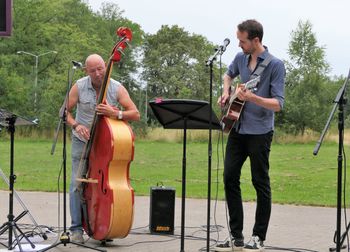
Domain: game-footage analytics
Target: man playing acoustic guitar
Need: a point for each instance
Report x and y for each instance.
(251, 135)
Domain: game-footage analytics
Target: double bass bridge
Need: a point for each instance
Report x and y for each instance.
(88, 180)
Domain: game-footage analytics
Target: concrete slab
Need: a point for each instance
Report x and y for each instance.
(300, 227)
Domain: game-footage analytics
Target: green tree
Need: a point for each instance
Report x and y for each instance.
(110, 18)
(306, 57)
(308, 90)
(72, 29)
(174, 64)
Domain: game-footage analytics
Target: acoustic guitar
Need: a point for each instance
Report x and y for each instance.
(233, 106)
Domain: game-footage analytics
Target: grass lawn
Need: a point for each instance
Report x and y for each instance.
(297, 176)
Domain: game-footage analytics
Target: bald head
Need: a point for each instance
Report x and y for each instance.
(94, 59)
(96, 68)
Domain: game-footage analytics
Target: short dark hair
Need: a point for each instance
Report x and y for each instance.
(253, 28)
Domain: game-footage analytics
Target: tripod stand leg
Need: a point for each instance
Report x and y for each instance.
(26, 210)
(4, 228)
(16, 239)
(65, 240)
(15, 227)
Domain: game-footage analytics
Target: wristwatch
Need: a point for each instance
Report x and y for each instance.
(120, 115)
(75, 125)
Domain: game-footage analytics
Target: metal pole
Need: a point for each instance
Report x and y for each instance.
(36, 82)
(35, 72)
(146, 103)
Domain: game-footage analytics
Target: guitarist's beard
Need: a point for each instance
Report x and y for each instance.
(247, 52)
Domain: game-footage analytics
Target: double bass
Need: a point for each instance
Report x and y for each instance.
(108, 198)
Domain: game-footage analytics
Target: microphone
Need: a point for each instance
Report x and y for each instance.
(219, 50)
(77, 64)
(226, 43)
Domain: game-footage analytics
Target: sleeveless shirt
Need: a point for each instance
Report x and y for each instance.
(87, 101)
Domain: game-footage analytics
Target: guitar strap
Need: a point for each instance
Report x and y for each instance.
(257, 72)
(261, 67)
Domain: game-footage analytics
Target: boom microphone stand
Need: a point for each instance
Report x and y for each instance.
(65, 239)
(339, 102)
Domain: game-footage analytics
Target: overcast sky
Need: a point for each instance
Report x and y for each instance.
(218, 19)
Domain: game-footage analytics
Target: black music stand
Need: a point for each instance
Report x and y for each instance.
(10, 120)
(184, 114)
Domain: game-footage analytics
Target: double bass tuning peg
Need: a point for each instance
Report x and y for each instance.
(120, 50)
(124, 32)
(127, 42)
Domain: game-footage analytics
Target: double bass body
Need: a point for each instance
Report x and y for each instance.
(110, 201)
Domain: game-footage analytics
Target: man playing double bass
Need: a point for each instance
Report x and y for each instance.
(84, 95)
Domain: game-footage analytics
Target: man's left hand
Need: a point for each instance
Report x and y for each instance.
(244, 94)
(106, 110)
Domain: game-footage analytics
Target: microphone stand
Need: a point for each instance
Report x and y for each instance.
(339, 101)
(210, 61)
(64, 239)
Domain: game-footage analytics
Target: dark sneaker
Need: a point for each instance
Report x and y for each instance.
(235, 245)
(255, 244)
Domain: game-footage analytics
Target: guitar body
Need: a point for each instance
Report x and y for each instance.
(234, 106)
(232, 115)
(110, 201)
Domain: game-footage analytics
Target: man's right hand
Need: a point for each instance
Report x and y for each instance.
(83, 131)
(222, 99)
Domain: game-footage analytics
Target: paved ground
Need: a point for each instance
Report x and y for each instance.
(298, 227)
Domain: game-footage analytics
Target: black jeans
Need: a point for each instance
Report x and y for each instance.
(257, 148)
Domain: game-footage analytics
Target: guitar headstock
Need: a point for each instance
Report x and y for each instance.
(252, 83)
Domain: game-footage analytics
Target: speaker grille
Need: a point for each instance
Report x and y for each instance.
(162, 208)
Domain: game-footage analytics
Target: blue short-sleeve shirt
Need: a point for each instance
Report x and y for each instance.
(255, 119)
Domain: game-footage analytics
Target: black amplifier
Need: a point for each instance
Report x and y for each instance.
(162, 209)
